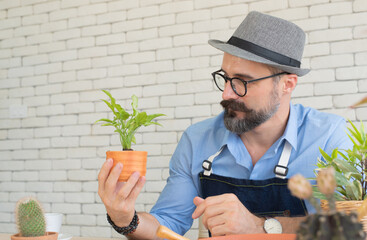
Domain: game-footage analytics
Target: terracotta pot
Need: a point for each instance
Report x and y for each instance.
(132, 161)
(166, 233)
(48, 236)
(260, 236)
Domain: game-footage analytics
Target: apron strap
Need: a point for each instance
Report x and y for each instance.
(207, 164)
(281, 170)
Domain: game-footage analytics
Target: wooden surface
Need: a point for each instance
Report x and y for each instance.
(4, 236)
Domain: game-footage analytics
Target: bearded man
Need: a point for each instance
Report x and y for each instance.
(233, 169)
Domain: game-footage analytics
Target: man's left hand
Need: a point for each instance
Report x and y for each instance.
(226, 215)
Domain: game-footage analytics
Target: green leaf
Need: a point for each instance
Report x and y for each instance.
(325, 155)
(341, 180)
(141, 118)
(107, 124)
(152, 116)
(352, 192)
(110, 96)
(123, 115)
(104, 120)
(334, 153)
(126, 124)
(362, 132)
(134, 102)
(345, 166)
(343, 155)
(356, 134)
(358, 186)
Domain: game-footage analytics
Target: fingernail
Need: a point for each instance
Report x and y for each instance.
(109, 161)
(119, 165)
(136, 174)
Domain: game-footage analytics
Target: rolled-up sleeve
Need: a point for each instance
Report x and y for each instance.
(175, 204)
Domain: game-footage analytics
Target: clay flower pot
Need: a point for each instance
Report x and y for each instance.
(48, 236)
(132, 161)
(260, 236)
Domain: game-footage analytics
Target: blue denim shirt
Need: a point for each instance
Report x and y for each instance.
(307, 130)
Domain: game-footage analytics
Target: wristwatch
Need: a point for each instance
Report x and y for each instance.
(271, 225)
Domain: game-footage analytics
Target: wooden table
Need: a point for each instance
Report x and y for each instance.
(5, 236)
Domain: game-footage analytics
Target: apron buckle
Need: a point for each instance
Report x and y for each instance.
(281, 170)
(207, 165)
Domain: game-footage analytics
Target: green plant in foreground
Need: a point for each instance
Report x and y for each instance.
(350, 167)
(127, 124)
(30, 218)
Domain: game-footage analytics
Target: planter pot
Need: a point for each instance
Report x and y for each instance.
(48, 236)
(166, 233)
(132, 161)
(347, 207)
(260, 236)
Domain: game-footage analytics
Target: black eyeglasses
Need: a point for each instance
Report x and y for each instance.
(238, 85)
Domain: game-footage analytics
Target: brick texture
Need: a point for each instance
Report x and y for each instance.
(56, 56)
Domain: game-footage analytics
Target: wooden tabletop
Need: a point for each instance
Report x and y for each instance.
(5, 236)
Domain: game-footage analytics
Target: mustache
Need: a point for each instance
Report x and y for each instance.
(234, 105)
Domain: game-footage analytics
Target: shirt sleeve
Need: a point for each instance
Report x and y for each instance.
(175, 204)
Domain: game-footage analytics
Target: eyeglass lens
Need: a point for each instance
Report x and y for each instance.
(237, 85)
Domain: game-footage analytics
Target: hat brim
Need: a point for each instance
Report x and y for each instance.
(238, 52)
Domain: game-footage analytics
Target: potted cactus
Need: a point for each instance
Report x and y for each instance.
(31, 221)
(330, 224)
(126, 124)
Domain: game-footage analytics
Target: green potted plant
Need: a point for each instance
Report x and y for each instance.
(126, 124)
(350, 166)
(31, 221)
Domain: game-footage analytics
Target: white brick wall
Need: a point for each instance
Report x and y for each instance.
(56, 56)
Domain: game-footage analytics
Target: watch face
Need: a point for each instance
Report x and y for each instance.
(272, 225)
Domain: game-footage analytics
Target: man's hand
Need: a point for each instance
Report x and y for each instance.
(226, 215)
(119, 197)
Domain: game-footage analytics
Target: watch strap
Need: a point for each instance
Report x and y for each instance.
(128, 229)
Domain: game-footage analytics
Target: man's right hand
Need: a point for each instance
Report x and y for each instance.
(119, 197)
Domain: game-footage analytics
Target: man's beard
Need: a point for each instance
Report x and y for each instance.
(252, 118)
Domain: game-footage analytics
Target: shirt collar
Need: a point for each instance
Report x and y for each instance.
(290, 134)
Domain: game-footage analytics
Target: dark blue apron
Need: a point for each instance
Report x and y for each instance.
(269, 197)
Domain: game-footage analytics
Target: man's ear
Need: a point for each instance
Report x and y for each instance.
(290, 82)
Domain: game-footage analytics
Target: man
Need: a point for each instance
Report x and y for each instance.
(232, 169)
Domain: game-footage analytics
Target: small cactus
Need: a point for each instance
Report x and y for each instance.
(330, 225)
(30, 217)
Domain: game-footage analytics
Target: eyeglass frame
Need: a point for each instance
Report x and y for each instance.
(243, 81)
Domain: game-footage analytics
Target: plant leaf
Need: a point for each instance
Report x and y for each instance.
(325, 155)
(341, 180)
(352, 192)
(105, 120)
(126, 124)
(358, 186)
(134, 104)
(346, 167)
(113, 101)
(363, 101)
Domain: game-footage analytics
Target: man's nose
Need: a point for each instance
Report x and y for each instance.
(228, 92)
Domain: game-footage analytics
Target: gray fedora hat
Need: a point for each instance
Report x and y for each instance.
(266, 39)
